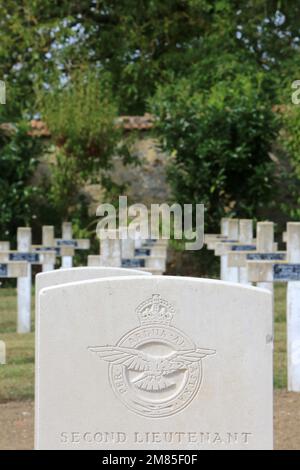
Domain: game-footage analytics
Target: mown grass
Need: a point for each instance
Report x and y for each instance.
(17, 376)
(280, 356)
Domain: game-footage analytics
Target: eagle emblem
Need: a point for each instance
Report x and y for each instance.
(155, 369)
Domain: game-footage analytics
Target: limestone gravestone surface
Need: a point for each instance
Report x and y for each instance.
(65, 276)
(154, 362)
(69, 275)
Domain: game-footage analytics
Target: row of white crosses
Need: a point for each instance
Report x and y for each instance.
(287, 270)
(122, 251)
(235, 235)
(17, 263)
(64, 247)
(236, 246)
(262, 263)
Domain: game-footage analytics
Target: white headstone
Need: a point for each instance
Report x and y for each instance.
(66, 276)
(154, 363)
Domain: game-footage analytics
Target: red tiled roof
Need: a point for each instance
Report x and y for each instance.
(129, 123)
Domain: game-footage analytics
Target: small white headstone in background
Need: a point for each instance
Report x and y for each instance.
(2, 353)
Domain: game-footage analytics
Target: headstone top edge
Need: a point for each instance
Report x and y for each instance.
(153, 278)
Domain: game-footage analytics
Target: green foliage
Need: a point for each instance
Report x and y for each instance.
(139, 47)
(219, 140)
(81, 118)
(139, 42)
(290, 139)
(292, 136)
(19, 154)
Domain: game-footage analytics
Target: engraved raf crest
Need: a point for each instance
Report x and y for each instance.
(155, 369)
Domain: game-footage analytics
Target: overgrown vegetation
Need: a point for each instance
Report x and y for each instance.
(220, 139)
(81, 118)
(212, 69)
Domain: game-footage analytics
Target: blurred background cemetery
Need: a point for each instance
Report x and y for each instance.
(186, 101)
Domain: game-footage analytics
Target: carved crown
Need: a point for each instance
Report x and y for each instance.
(155, 310)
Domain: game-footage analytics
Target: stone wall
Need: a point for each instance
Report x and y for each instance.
(145, 182)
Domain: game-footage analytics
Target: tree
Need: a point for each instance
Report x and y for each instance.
(147, 45)
(81, 116)
(19, 154)
(290, 140)
(140, 43)
(219, 139)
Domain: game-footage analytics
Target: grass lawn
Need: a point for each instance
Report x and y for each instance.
(17, 376)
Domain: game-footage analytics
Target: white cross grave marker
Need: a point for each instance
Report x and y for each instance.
(48, 242)
(265, 244)
(68, 245)
(24, 283)
(265, 241)
(25, 254)
(151, 256)
(245, 238)
(118, 251)
(275, 271)
(230, 228)
(229, 233)
(110, 252)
